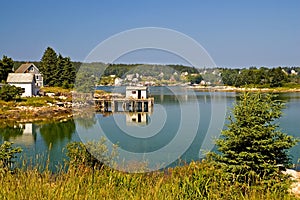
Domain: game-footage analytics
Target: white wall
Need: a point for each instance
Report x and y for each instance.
(135, 96)
(27, 86)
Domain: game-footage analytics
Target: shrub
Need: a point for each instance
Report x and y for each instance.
(7, 154)
(92, 154)
(10, 92)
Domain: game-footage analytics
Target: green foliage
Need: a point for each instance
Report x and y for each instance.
(10, 92)
(195, 79)
(57, 70)
(7, 154)
(92, 154)
(6, 65)
(274, 77)
(85, 82)
(107, 80)
(253, 145)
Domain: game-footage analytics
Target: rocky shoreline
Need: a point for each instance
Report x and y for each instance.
(22, 114)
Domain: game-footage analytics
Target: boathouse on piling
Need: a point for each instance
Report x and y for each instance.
(137, 99)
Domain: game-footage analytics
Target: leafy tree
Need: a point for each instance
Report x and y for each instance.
(49, 66)
(229, 76)
(276, 77)
(7, 154)
(253, 144)
(6, 65)
(195, 79)
(10, 92)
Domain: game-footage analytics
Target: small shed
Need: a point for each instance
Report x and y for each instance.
(136, 92)
(24, 81)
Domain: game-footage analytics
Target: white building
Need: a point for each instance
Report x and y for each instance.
(24, 81)
(118, 81)
(31, 68)
(137, 92)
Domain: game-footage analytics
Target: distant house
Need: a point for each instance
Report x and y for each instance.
(25, 81)
(31, 68)
(137, 92)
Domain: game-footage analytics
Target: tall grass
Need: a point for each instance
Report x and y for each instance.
(194, 181)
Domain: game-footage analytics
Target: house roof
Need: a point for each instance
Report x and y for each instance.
(136, 88)
(24, 67)
(20, 78)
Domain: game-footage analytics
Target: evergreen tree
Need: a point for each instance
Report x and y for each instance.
(253, 144)
(6, 65)
(58, 73)
(57, 70)
(68, 74)
(49, 66)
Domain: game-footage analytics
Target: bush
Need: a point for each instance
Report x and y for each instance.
(10, 92)
(94, 155)
(7, 154)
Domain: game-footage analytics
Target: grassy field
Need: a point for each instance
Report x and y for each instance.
(193, 181)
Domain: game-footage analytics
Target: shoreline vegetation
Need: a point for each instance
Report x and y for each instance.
(58, 105)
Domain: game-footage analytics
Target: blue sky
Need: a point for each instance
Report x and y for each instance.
(235, 33)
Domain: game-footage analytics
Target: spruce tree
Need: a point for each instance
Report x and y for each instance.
(253, 142)
(49, 66)
(6, 65)
(68, 74)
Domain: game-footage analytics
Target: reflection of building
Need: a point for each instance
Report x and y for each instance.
(28, 135)
(137, 118)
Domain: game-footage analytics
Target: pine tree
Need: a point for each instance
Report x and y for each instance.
(68, 74)
(58, 73)
(253, 143)
(6, 65)
(49, 66)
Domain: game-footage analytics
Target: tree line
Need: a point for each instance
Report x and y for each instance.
(270, 77)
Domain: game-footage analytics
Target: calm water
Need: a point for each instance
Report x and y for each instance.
(182, 125)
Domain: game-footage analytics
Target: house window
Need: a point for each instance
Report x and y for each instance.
(37, 77)
(23, 90)
(133, 92)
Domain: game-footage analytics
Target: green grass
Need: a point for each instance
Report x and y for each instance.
(193, 181)
(55, 90)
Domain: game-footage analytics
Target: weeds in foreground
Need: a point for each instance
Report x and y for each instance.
(194, 181)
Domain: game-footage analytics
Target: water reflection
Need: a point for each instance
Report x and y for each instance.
(19, 134)
(56, 132)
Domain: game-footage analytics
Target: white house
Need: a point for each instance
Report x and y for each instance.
(137, 92)
(24, 81)
(31, 68)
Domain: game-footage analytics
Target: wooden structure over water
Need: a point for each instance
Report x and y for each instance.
(136, 100)
(124, 105)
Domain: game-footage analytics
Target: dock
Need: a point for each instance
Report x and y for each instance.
(115, 105)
